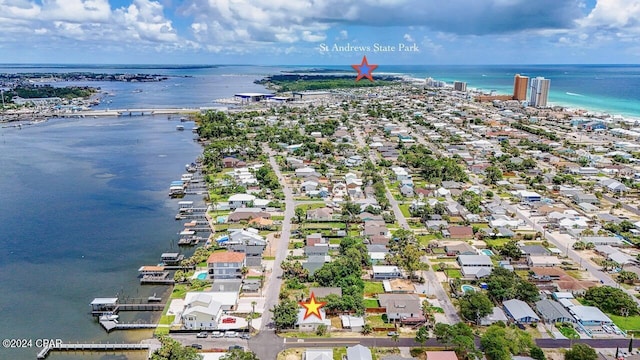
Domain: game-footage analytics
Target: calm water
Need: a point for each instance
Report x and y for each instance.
(83, 202)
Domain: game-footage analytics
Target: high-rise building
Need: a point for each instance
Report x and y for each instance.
(520, 86)
(539, 92)
(459, 86)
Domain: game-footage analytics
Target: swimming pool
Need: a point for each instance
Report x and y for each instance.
(487, 252)
(467, 288)
(201, 275)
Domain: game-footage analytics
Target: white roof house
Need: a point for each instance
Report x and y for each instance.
(589, 315)
(201, 311)
(475, 260)
(358, 352)
(520, 311)
(318, 354)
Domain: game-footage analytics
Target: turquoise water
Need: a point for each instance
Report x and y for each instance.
(202, 276)
(467, 288)
(83, 202)
(487, 252)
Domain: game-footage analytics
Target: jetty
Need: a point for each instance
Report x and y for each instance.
(91, 347)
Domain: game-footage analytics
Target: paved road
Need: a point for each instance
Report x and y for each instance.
(624, 206)
(263, 343)
(573, 255)
(429, 275)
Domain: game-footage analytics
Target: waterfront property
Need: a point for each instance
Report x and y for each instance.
(226, 265)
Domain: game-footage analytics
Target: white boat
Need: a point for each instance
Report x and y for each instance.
(109, 317)
(179, 127)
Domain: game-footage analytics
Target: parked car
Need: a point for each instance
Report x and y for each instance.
(231, 334)
(216, 334)
(202, 335)
(245, 336)
(235, 347)
(196, 346)
(392, 333)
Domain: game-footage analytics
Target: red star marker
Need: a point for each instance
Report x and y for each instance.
(312, 307)
(364, 69)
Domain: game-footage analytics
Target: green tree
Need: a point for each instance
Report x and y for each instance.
(300, 213)
(581, 352)
(285, 314)
(627, 277)
(321, 330)
(492, 174)
(494, 343)
(511, 250)
(611, 300)
(537, 354)
(474, 306)
(173, 350)
(422, 335)
(237, 354)
(366, 329)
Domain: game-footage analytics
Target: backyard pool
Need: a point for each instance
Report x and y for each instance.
(200, 275)
(487, 252)
(467, 288)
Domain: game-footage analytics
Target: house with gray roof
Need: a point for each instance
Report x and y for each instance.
(496, 315)
(519, 311)
(553, 312)
(318, 354)
(358, 352)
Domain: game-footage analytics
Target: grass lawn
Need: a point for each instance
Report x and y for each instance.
(569, 332)
(496, 243)
(179, 291)
(167, 319)
(268, 257)
(339, 353)
(454, 273)
(334, 241)
(288, 353)
(373, 288)
(404, 208)
(425, 239)
(276, 218)
(626, 323)
(371, 303)
(326, 225)
(312, 206)
(376, 321)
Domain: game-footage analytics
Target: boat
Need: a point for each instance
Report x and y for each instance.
(154, 298)
(109, 317)
(179, 127)
(184, 119)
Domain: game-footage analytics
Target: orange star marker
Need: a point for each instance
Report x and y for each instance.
(313, 307)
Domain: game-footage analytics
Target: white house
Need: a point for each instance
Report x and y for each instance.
(201, 312)
(241, 200)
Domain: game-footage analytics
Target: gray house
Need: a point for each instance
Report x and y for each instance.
(552, 312)
(519, 311)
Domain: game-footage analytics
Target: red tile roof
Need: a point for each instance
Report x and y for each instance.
(226, 257)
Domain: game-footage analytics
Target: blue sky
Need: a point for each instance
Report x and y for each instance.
(320, 32)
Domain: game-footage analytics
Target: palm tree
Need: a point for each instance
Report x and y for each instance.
(366, 329)
(395, 337)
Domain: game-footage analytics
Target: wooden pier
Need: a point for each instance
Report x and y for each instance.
(91, 347)
(110, 325)
(139, 307)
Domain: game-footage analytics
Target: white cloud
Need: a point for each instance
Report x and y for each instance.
(76, 10)
(408, 38)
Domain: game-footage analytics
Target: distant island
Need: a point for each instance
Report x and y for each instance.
(79, 76)
(302, 82)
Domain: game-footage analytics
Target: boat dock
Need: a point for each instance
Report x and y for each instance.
(91, 347)
(110, 325)
(110, 306)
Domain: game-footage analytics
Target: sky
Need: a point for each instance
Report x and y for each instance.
(323, 32)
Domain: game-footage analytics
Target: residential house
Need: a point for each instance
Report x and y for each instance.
(460, 232)
(241, 201)
(317, 250)
(231, 162)
(226, 265)
(603, 240)
(535, 250)
(318, 354)
(589, 315)
(308, 186)
(315, 239)
(201, 312)
(459, 248)
(320, 214)
(314, 263)
(249, 242)
(245, 214)
(552, 312)
(312, 322)
(496, 315)
(353, 323)
(528, 196)
(581, 197)
(519, 311)
(475, 266)
(543, 261)
(323, 292)
(358, 352)
(373, 229)
(377, 253)
(405, 308)
(441, 355)
(381, 272)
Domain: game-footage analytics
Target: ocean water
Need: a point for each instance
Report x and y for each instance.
(83, 202)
